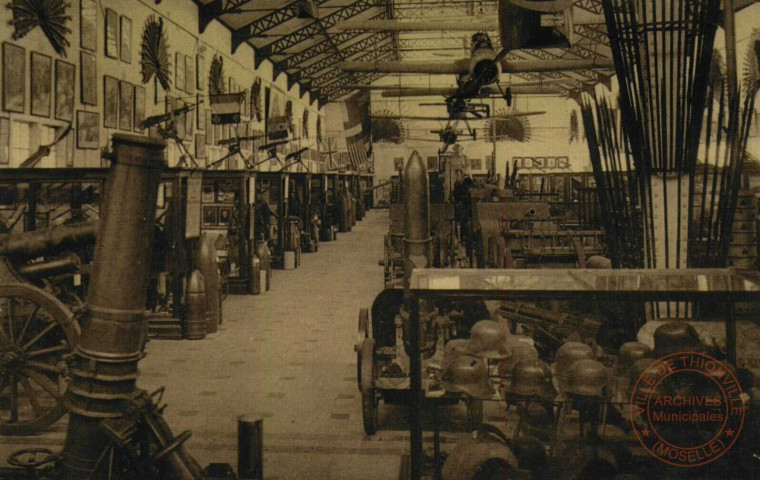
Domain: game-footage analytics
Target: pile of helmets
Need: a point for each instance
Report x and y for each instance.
(465, 361)
(578, 372)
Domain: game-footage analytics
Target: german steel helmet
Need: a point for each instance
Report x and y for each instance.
(567, 355)
(638, 369)
(468, 374)
(674, 337)
(588, 378)
(520, 351)
(488, 339)
(630, 352)
(453, 349)
(528, 378)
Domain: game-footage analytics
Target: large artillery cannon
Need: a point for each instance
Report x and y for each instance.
(37, 329)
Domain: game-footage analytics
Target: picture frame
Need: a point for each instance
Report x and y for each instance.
(5, 141)
(199, 69)
(110, 102)
(139, 107)
(207, 193)
(200, 146)
(432, 164)
(179, 69)
(14, 78)
(189, 75)
(126, 105)
(209, 128)
(398, 163)
(125, 47)
(225, 214)
(65, 74)
(199, 113)
(88, 78)
(88, 130)
(476, 164)
(88, 25)
(563, 162)
(210, 215)
(112, 34)
(41, 75)
(539, 162)
(551, 162)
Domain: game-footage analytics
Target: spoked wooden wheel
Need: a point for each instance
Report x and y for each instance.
(36, 331)
(369, 392)
(362, 333)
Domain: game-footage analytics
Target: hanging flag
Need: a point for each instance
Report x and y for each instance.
(226, 108)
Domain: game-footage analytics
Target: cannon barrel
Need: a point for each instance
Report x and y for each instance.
(47, 241)
(65, 264)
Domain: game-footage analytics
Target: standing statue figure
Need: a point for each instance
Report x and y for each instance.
(455, 161)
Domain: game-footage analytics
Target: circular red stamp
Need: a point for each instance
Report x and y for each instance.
(687, 409)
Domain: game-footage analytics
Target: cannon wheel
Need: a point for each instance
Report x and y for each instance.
(362, 333)
(474, 412)
(369, 393)
(36, 332)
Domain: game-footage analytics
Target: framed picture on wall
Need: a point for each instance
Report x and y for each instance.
(189, 74)
(110, 102)
(88, 79)
(209, 216)
(207, 194)
(208, 127)
(225, 213)
(179, 69)
(64, 90)
(563, 162)
(200, 146)
(88, 130)
(398, 163)
(432, 164)
(125, 48)
(14, 78)
(126, 105)
(139, 107)
(199, 68)
(5, 141)
(88, 24)
(551, 162)
(112, 34)
(476, 164)
(41, 92)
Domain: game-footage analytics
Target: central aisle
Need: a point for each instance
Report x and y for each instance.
(286, 356)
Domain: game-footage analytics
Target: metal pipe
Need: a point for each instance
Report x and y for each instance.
(104, 369)
(461, 65)
(43, 242)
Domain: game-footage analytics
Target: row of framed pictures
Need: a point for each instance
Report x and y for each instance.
(118, 36)
(541, 162)
(123, 104)
(185, 77)
(47, 97)
(216, 216)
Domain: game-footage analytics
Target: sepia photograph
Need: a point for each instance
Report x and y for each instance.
(380, 240)
(64, 90)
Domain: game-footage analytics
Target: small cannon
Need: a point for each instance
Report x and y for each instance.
(37, 329)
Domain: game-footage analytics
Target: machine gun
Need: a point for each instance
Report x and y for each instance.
(39, 322)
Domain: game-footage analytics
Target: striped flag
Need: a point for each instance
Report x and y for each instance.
(226, 108)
